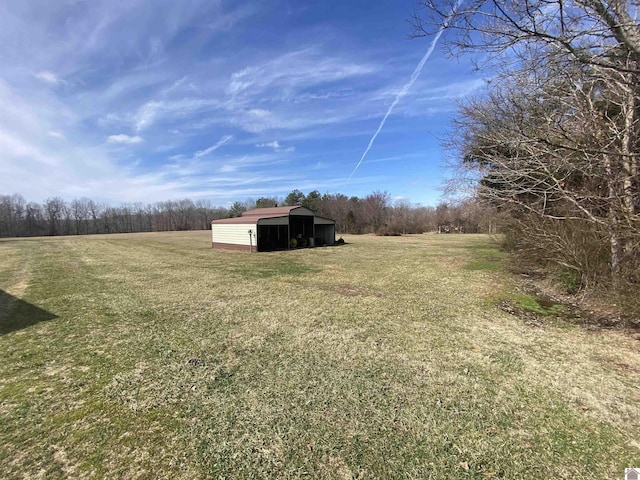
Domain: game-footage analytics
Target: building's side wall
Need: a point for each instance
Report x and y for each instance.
(232, 234)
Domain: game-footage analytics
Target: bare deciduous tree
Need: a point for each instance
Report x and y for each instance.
(557, 136)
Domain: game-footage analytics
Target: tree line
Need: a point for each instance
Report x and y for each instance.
(55, 216)
(374, 213)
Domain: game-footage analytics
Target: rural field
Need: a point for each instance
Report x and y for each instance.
(154, 356)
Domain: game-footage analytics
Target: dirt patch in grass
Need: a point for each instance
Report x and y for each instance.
(536, 301)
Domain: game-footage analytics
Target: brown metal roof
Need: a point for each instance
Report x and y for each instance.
(252, 216)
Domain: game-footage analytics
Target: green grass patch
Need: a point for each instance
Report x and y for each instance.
(570, 280)
(538, 305)
(486, 258)
(159, 357)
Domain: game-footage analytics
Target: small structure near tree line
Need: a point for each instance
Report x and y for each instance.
(274, 228)
(450, 229)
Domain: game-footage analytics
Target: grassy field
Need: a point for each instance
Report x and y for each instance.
(154, 356)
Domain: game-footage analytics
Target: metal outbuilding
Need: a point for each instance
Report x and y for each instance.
(275, 228)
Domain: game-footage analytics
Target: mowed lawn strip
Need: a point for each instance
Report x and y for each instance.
(159, 357)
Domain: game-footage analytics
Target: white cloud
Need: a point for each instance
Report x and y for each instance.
(259, 112)
(156, 111)
(226, 21)
(126, 139)
(56, 134)
(295, 70)
(20, 149)
(146, 115)
(276, 146)
(319, 166)
(48, 77)
(451, 90)
(228, 168)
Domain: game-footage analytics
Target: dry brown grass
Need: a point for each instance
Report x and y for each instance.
(382, 358)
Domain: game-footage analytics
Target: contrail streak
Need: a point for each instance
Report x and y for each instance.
(408, 85)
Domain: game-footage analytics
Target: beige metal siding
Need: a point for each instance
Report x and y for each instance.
(233, 233)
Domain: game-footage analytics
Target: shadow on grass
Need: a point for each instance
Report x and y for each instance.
(16, 314)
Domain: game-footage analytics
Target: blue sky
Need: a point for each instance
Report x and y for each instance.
(142, 101)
